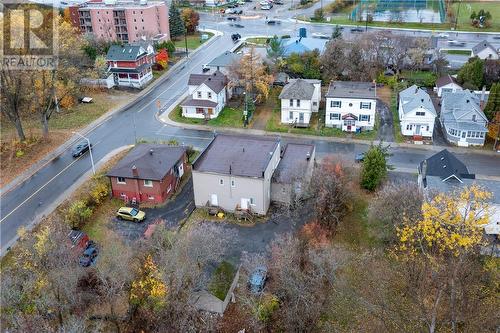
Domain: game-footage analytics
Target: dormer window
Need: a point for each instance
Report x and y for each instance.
(474, 118)
(209, 94)
(298, 102)
(198, 94)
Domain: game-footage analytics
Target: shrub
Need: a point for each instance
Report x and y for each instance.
(267, 307)
(78, 213)
(99, 191)
(374, 167)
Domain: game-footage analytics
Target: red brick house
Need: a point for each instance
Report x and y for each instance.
(149, 173)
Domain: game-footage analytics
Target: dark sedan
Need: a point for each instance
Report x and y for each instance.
(81, 148)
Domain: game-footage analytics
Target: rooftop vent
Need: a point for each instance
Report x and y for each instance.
(308, 156)
(467, 101)
(422, 100)
(444, 166)
(151, 152)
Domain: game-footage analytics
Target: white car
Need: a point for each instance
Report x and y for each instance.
(264, 3)
(443, 35)
(321, 35)
(266, 7)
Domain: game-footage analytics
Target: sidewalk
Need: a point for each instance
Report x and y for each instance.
(164, 117)
(89, 128)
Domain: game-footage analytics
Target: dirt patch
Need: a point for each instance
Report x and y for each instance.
(16, 157)
(384, 94)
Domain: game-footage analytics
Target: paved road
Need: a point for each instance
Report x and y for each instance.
(26, 203)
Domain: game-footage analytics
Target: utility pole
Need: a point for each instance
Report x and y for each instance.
(458, 13)
(186, 42)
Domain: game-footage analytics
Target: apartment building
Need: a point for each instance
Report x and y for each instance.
(124, 21)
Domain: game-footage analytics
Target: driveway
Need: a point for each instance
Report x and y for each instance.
(386, 129)
(173, 212)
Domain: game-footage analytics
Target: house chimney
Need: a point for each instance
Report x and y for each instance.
(308, 156)
(135, 173)
(151, 151)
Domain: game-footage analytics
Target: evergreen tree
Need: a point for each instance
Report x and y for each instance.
(471, 74)
(337, 33)
(177, 27)
(275, 48)
(375, 166)
(493, 104)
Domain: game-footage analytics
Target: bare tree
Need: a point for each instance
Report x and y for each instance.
(14, 93)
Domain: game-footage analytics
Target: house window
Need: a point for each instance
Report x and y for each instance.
(474, 118)
(336, 104)
(200, 110)
(120, 180)
(364, 117)
(148, 183)
(481, 134)
(315, 103)
(407, 127)
(290, 115)
(151, 197)
(365, 105)
(252, 201)
(221, 181)
(198, 94)
(427, 128)
(298, 102)
(291, 102)
(169, 188)
(334, 116)
(420, 113)
(233, 184)
(209, 94)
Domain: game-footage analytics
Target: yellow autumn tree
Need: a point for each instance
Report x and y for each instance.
(436, 251)
(148, 289)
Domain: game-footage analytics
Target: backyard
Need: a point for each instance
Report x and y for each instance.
(228, 117)
(193, 41)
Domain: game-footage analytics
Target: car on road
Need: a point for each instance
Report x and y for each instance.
(443, 35)
(456, 43)
(237, 25)
(273, 22)
(235, 37)
(359, 157)
(232, 5)
(232, 18)
(357, 29)
(320, 35)
(257, 279)
(81, 148)
(130, 214)
(89, 256)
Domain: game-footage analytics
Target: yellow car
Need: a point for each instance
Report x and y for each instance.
(131, 214)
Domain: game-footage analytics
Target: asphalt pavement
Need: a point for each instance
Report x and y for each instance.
(26, 203)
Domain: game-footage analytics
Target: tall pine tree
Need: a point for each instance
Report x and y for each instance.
(177, 27)
(493, 104)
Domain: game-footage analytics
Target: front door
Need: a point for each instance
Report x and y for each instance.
(213, 200)
(417, 130)
(301, 117)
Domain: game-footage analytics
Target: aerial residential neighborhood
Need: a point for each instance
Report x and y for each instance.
(250, 166)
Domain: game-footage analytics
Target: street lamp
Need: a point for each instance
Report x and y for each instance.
(90, 150)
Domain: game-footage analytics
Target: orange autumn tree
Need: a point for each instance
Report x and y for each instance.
(162, 58)
(148, 289)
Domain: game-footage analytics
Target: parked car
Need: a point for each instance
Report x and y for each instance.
(266, 7)
(130, 214)
(456, 43)
(81, 148)
(321, 35)
(443, 35)
(232, 5)
(257, 279)
(89, 256)
(238, 11)
(235, 37)
(278, 2)
(232, 18)
(264, 3)
(79, 240)
(241, 2)
(359, 157)
(357, 29)
(273, 22)
(237, 25)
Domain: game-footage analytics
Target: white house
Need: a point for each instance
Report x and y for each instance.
(446, 84)
(484, 50)
(416, 112)
(299, 99)
(351, 106)
(207, 95)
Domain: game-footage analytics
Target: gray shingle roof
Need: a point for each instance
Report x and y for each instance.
(443, 164)
(482, 46)
(215, 81)
(199, 102)
(239, 155)
(152, 166)
(351, 89)
(225, 59)
(299, 89)
(455, 106)
(415, 97)
(125, 52)
(293, 163)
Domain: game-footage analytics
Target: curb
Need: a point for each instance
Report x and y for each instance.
(393, 28)
(164, 118)
(94, 124)
(62, 197)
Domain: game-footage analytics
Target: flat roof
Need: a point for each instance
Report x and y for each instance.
(239, 155)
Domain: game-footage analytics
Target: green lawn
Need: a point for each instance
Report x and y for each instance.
(193, 41)
(421, 78)
(228, 117)
(221, 280)
(466, 9)
(459, 52)
(258, 40)
(395, 118)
